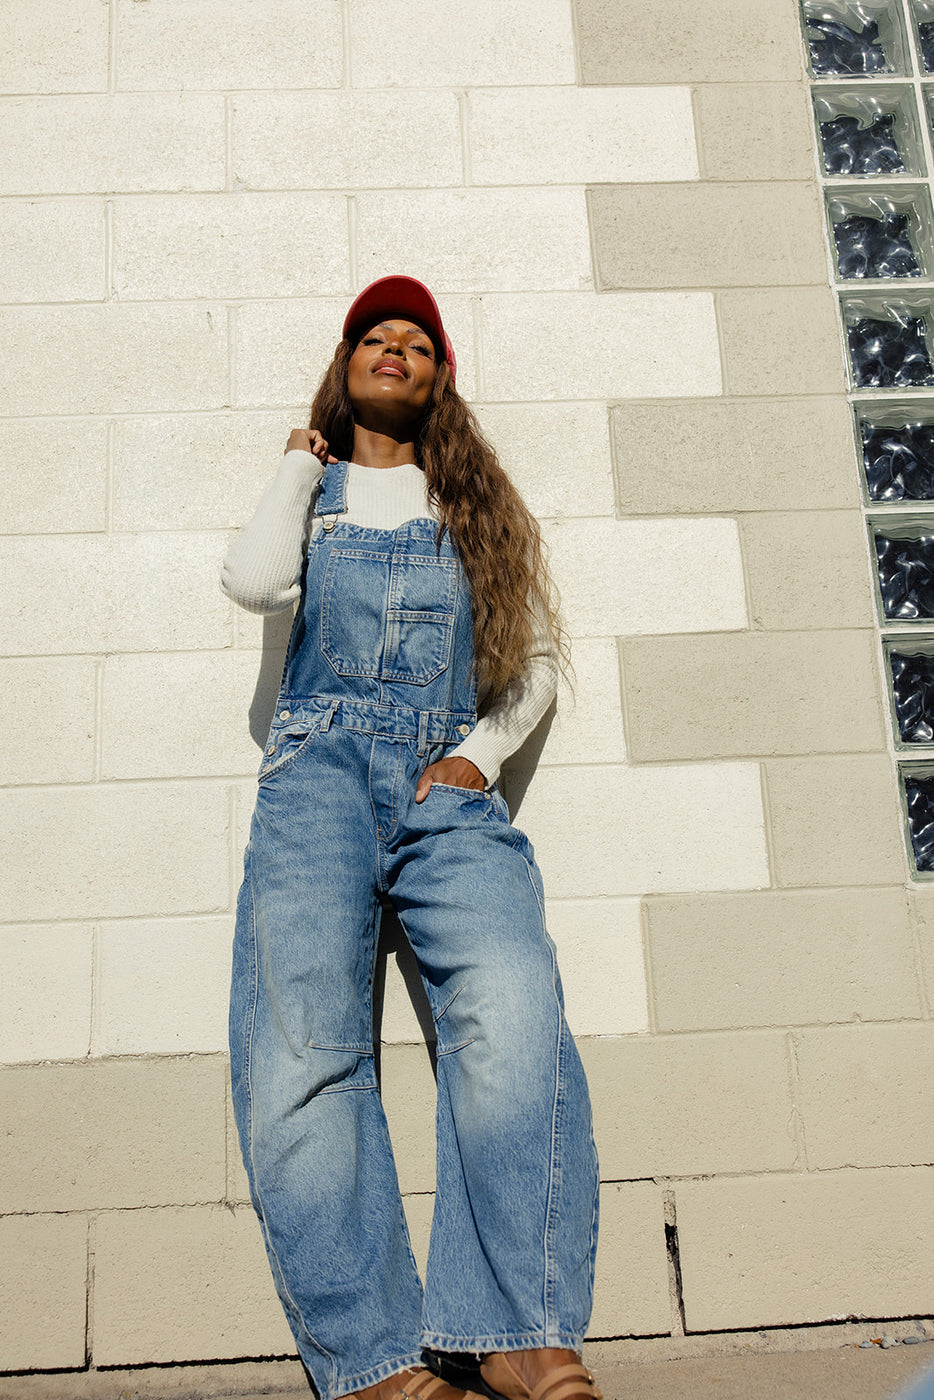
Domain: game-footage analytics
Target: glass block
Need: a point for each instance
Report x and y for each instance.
(881, 236)
(917, 788)
(887, 341)
(854, 40)
(911, 676)
(869, 133)
(897, 444)
(904, 553)
(922, 12)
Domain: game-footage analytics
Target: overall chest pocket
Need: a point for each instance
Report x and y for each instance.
(388, 616)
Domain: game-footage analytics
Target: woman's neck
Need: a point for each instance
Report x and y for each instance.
(374, 449)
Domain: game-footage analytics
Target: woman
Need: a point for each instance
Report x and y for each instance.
(419, 576)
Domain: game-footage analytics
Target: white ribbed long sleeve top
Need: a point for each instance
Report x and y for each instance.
(262, 567)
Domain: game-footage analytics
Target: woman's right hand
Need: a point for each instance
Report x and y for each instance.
(309, 440)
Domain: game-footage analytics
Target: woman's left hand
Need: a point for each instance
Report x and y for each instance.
(453, 772)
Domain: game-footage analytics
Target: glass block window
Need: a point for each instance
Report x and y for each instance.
(871, 64)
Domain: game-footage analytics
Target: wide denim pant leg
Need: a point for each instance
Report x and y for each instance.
(513, 1240)
(514, 1229)
(312, 1128)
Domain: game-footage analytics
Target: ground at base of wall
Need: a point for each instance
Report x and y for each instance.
(837, 1361)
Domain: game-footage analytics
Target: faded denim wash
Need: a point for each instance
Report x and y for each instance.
(379, 683)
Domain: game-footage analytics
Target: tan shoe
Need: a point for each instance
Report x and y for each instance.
(558, 1384)
(423, 1384)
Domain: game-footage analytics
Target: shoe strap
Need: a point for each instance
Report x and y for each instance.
(566, 1381)
(423, 1385)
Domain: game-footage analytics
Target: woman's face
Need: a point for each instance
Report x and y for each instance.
(392, 370)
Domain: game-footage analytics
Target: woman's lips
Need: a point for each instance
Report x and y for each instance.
(389, 367)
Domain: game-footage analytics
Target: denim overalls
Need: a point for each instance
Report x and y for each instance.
(379, 683)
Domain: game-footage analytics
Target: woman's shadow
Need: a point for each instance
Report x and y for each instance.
(513, 784)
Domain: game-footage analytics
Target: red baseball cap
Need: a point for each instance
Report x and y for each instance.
(394, 296)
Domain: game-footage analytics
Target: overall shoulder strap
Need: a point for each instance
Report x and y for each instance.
(332, 493)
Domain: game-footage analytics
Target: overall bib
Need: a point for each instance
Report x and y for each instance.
(378, 683)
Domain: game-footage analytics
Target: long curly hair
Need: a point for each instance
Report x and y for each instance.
(496, 536)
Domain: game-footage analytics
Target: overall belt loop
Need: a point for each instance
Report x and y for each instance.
(331, 712)
(423, 718)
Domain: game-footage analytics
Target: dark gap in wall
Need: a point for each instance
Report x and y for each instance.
(674, 1265)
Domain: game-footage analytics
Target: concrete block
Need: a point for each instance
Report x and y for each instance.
(780, 958)
(218, 245)
(781, 340)
(600, 956)
(126, 1133)
(406, 1013)
(36, 751)
(418, 1213)
(807, 569)
(53, 250)
(126, 593)
(74, 476)
(145, 698)
(45, 992)
(690, 1105)
(162, 987)
(119, 142)
(59, 46)
(542, 347)
(678, 41)
(602, 567)
(748, 693)
(754, 131)
(631, 1283)
(407, 1088)
(282, 348)
(779, 1250)
(587, 726)
(453, 45)
(755, 234)
(184, 1285)
(44, 1278)
(196, 471)
(864, 1095)
(700, 827)
(112, 359)
(538, 243)
(162, 46)
(345, 140)
(114, 850)
(835, 821)
(74, 481)
(699, 455)
(557, 454)
(574, 136)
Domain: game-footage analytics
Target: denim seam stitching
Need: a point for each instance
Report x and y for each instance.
(256, 1187)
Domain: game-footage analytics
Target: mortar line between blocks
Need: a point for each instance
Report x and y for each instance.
(651, 1018)
(90, 1243)
(94, 1030)
(576, 45)
(765, 797)
(924, 990)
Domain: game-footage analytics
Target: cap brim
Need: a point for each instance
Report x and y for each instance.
(395, 296)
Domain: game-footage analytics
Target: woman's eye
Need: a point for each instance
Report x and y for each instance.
(423, 350)
(372, 340)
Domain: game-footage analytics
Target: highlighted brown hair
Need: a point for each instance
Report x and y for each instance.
(494, 532)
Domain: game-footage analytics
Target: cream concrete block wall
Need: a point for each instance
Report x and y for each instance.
(191, 195)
